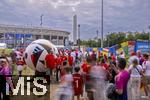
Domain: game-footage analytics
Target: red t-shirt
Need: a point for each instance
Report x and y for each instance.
(58, 60)
(85, 67)
(77, 84)
(63, 58)
(113, 58)
(50, 61)
(70, 60)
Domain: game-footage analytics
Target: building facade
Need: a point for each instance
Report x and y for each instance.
(15, 36)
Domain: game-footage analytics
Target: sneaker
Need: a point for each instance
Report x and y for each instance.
(144, 97)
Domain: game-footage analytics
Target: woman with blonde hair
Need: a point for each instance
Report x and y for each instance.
(135, 81)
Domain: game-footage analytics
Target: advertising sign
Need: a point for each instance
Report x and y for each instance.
(144, 46)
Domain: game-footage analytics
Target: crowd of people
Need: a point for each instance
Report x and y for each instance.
(89, 75)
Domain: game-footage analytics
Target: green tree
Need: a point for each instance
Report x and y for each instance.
(116, 38)
(142, 36)
(130, 37)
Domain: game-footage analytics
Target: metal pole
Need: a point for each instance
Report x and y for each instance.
(149, 32)
(4, 37)
(79, 36)
(97, 38)
(41, 22)
(102, 25)
(108, 39)
(97, 35)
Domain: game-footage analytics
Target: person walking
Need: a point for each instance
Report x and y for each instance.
(121, 80)
(65, 90)
(135, 81)
(77, 83)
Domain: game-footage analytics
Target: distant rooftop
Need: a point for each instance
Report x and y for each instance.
(31, 27)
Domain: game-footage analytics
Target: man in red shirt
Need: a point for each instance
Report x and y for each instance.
(70, 61)
(50, 62)
(113, 57)
(77, 83)
(58, 67)
(84, 66)
(64, 57)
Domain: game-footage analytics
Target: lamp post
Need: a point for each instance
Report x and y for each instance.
(41, 19)
(149, 32)
(108, 39)
(97, 35)
(102, 24)
(79, 36)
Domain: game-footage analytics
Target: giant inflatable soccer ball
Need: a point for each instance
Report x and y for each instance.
(36, 52)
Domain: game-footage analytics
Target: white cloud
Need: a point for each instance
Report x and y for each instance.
(12, 1)
(118, 14)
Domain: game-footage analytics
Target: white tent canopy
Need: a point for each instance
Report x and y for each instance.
(3, 45)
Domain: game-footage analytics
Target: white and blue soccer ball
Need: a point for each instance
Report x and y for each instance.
(36, 52)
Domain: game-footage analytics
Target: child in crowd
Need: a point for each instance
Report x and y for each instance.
(65, 91)
(77, 83)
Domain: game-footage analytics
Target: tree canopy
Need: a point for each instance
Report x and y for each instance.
(116, 38)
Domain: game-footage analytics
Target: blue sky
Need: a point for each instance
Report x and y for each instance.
(119, 15)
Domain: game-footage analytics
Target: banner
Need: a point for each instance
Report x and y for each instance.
(124, 46)
(100, 49)
(119, 51)
(144, 46)
(89, 49)
(95, 49)
(105, 51)
(113, 49)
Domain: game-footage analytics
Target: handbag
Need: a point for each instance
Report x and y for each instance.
(111, 92)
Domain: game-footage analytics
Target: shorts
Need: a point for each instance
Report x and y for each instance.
(88, 86)
(64, 93)
(147, 80)
(78, 92)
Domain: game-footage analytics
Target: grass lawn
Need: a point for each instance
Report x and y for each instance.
(26, 71)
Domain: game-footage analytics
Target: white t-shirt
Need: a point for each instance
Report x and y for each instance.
(134, 71)
(68, 78)
(79, 54)
(65, 88)
(98, 72)
(73, 54)
(146, 65)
